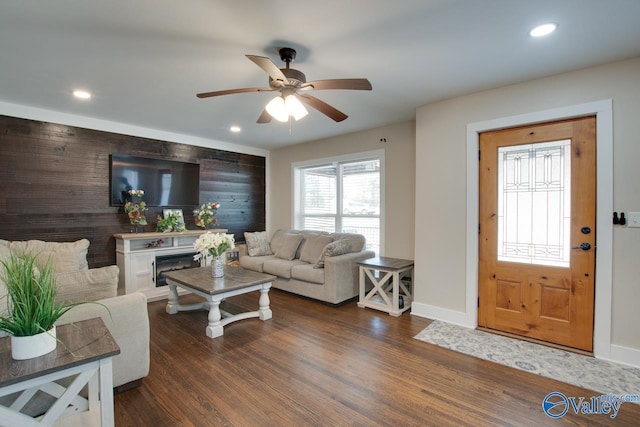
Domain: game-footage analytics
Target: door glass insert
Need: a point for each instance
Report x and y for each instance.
(534, 203)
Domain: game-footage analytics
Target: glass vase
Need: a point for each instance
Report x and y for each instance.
(217, 266)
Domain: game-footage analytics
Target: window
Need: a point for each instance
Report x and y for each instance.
(341, 196)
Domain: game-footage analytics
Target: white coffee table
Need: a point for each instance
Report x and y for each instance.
(236, 281)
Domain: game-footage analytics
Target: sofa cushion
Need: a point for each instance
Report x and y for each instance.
(287, 246)
(280, 267)
(308, 273)
(90, 285)
(257, 243)
(357, 241)
(65, 257)
(255, 263)
(339, 247)
(313, 246)
(278, 239)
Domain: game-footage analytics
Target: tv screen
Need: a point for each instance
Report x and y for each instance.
(165, 182)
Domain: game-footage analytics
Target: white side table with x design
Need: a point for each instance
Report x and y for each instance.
(389, 293)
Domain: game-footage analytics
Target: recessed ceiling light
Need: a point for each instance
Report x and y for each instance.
(235, 129)
(82, 94)
(543, 30)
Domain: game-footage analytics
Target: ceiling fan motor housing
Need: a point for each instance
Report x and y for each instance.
(295, 77)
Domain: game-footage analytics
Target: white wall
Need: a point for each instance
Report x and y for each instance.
(440, 274)
(400, 179)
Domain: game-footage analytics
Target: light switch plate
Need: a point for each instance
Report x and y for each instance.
(633, 219)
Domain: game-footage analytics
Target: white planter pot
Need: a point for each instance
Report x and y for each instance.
(33, 346)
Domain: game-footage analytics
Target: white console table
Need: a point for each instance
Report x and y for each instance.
(136, 258)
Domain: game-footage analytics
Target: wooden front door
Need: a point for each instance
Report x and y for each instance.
(537, 231)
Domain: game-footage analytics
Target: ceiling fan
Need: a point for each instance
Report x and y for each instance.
(293, 87)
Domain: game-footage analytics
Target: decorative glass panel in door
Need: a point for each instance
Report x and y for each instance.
(534, 203)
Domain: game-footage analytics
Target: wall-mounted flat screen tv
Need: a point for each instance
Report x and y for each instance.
(165, 182)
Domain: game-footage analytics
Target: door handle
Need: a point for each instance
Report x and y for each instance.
(584, 246)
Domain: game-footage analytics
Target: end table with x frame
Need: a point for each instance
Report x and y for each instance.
(389, 293)
(84, 354)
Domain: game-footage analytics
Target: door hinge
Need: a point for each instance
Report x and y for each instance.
(479, 155)
(478, 228)
(478, 302)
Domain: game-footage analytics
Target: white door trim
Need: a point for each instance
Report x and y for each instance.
(604, 187)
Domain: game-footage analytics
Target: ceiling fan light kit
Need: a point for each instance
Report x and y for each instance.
(295, 107)
(277, 109)
(288, 82)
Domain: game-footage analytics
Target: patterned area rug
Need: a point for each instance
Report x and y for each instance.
(583, 371)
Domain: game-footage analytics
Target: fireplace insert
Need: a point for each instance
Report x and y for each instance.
(166, 263)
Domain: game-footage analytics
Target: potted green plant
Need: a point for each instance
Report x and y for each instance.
(171, 222)
(32, 310)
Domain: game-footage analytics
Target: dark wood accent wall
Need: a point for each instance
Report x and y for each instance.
(54, 184)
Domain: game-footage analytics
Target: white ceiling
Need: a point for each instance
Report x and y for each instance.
(145, 60)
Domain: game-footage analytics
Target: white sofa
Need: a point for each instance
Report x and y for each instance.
(314, 264)
(126, 318)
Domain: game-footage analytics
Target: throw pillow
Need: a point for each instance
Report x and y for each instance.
(288, 246)
(339, 247)
(87, 285)
(66, 257)
(313, 247)
(277, 239)
(257, 243)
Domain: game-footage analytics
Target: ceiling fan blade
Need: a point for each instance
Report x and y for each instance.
(232, 91)
(264, 117)
(323, 107)
(352, 84)
(267, 65)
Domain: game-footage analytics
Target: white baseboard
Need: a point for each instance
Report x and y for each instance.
(438, 313)
(625, 355)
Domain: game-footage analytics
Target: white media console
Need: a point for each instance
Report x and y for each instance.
(137, 254)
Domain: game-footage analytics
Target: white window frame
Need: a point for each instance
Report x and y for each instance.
(296, 204)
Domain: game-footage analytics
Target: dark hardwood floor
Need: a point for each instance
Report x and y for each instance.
(324, 366)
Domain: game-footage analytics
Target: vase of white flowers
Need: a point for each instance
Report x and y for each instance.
(213, 245)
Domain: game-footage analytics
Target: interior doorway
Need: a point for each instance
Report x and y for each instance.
(537, 228)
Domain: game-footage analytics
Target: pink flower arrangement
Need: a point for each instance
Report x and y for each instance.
(135, 209)
(205, 214)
